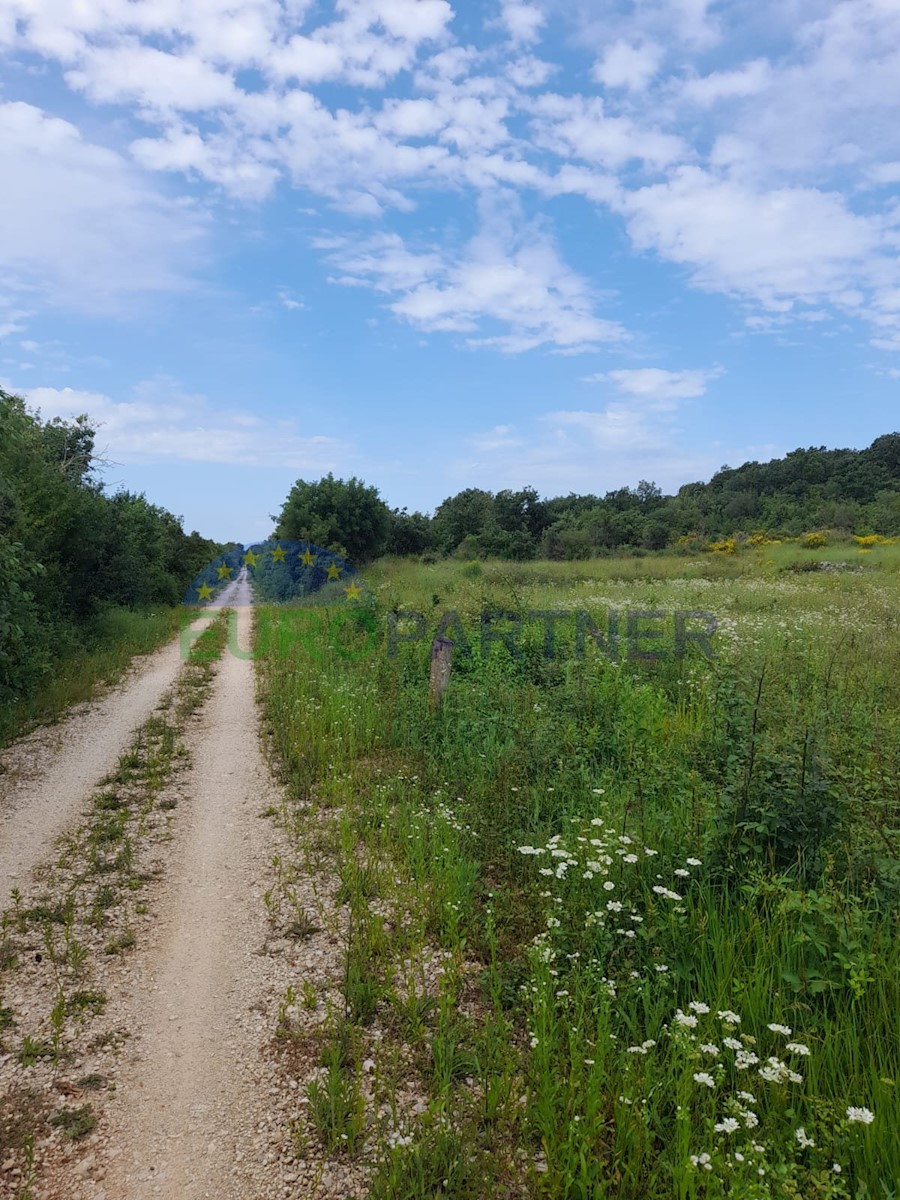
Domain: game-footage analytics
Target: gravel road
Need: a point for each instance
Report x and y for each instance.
(47, 777)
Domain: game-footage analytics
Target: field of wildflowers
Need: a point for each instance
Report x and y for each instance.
(615, 928)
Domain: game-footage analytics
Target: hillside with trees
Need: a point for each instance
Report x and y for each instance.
(853, 491)
(70, 552)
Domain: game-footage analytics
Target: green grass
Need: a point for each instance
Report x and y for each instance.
(99, 656)
(592, 846)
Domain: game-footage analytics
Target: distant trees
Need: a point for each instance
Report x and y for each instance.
(345, 516)
(409, 533)
(854, 490)
(68, 550)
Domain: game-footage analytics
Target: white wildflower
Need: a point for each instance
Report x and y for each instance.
(729, 1125)
(860, 1116)
(686, 1019)
(662, 891)
(803, 1140)
(797, 1048)
(705, 1078)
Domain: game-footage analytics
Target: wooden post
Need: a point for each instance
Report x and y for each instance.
(441, 666)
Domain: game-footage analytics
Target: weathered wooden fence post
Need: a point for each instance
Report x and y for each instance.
(441, 666)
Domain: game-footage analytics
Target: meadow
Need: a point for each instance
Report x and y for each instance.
(616, 927)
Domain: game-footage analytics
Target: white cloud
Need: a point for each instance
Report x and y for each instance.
(579, 127)
(689, 146)
(501, 437)
(161, 423)
(523, 21)
(510, 276)
(748, 80)
(152, 78)
(584, 451)
(885, 173)
(778, 247)
(624, 65)
(79, 225)
(659, 388)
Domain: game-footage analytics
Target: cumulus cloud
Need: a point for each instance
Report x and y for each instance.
(652, 385)
(523, 21)
(624, 65)
(779, 247)
(79, 225)
(159, 422)
(506, 288)
(377, 104)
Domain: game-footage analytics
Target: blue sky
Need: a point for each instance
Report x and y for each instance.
(560, 243)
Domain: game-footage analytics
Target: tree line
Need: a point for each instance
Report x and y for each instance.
(69, 551)
(857, 491)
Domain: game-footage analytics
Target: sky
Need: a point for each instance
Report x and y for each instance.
(562, 243)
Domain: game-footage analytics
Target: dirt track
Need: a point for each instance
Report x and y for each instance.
(192, 1115)
(49, 775)
(188, 1096)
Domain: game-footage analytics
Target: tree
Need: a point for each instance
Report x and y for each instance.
(68, 551)
(408, 533)
(345, 516)
(467, 514)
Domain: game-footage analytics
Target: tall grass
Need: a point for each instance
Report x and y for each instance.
(99, 656)
(594, 847)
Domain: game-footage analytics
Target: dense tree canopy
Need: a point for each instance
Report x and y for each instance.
(857, 491)
(341, 515)
(68, 550)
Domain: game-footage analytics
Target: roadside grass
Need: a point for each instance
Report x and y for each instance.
(613, 928)
(105, 649)
(88, 908)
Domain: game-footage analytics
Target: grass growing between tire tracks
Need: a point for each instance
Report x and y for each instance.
(60, 945)
(609, 929)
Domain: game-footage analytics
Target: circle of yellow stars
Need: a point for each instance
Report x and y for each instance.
(279, 554)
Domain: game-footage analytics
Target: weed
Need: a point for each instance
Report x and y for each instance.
(33, 1050)
(126, 940)
(336, 1107)
(75, 1123)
